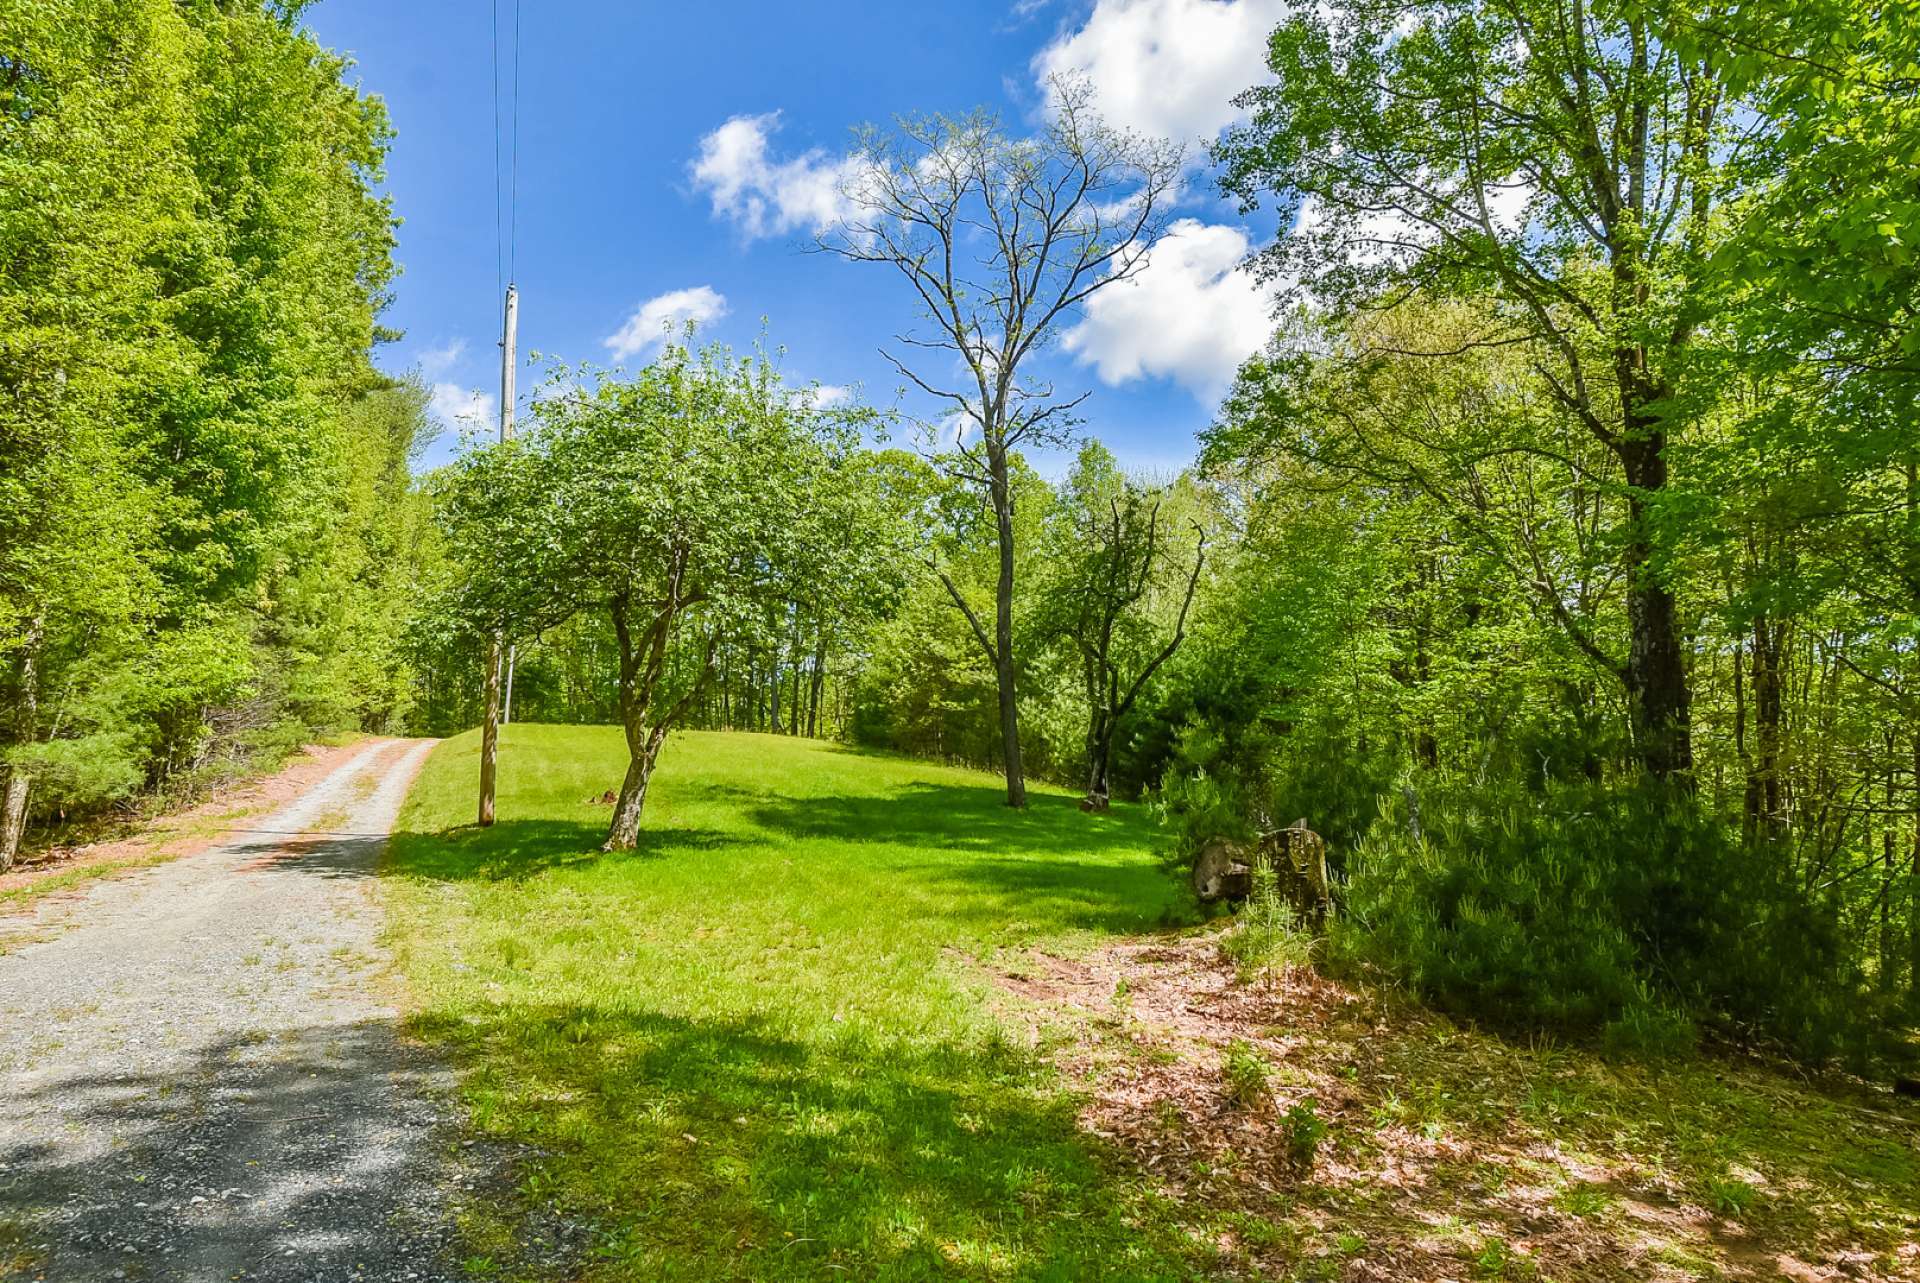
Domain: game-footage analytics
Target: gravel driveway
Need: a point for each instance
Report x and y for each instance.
(200, 1072)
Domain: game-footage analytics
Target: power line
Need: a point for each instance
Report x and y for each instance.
(499, 254)
(513, 190)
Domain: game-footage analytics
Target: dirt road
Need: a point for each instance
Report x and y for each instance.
(200, 1072)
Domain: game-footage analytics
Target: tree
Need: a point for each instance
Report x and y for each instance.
(1000, 239)
(1477, 436)
(1118, 554)
(1565, 157)
(677, 502)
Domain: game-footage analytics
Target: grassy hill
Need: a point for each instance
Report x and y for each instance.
(845, 1016)
(753, 1048)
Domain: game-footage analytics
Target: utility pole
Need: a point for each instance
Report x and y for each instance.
(506, 709)
(490, 729)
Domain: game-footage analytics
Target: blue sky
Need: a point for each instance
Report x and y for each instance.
(675, 159)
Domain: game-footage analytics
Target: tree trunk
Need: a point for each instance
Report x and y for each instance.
(1913, 795)
(773, 693)
(793, 702)
(1656, 674)
(1890, 944)
(13, 806)
(1764, 791)
(13, 815)
(1913, 888)
(1099, 754)
(490, 733)
(643, 749)
(1002, 494)
(817, 685)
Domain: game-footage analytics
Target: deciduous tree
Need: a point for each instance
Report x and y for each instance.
(1000, 239)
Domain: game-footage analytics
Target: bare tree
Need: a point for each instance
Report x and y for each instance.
(1116, 582)
(1124, 552)
(1001, 240)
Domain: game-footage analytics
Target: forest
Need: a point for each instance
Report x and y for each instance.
(1557, 560)
(209, 540)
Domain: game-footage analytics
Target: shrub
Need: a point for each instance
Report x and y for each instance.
(1626, 913)
(1246, 1075)
(1728, 1195)
(1196, 808)
(1650, 1030)
(1268, 935)
(1303, 1129)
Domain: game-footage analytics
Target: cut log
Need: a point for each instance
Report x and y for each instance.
(1221, 872)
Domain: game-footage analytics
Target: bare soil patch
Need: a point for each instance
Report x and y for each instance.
(185, 832)
(1449, 1154)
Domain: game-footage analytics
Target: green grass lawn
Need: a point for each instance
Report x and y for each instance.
(756, 1047)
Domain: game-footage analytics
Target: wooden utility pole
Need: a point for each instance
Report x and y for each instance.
(490, 729)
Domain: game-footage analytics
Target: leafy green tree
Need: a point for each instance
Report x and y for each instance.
(1118, 557)
(679, 502)
(90, 105)
(192, 255)
(1565, 160)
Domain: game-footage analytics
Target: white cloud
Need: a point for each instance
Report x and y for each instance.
(763, 196)
(1192, 313)
(436, 361)
(824, 396)
(1167, 68)
(1507, 203)
(462, 408)
(662, 316)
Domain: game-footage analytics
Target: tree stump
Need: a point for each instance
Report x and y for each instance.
(1298, 857)
(1221, 872)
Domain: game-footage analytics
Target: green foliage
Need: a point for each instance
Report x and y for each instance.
(692, 502)
(925, 685)
(1727, 1195)
(1267, 936)
(1498, 1261)
(1246, 1075)
(194, 496)
(1588, 532)
(1303, 1129)
(1196, 805)
(1120, 583)
(1650, 1030)
(1539, 909)
(1584, 1199)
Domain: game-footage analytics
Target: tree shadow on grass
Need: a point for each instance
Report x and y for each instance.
(732, 1149)
(518, 849)
(1052, 860)
(1124, 900)
(957, 817)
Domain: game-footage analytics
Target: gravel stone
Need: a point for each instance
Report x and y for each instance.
(202, 1075)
